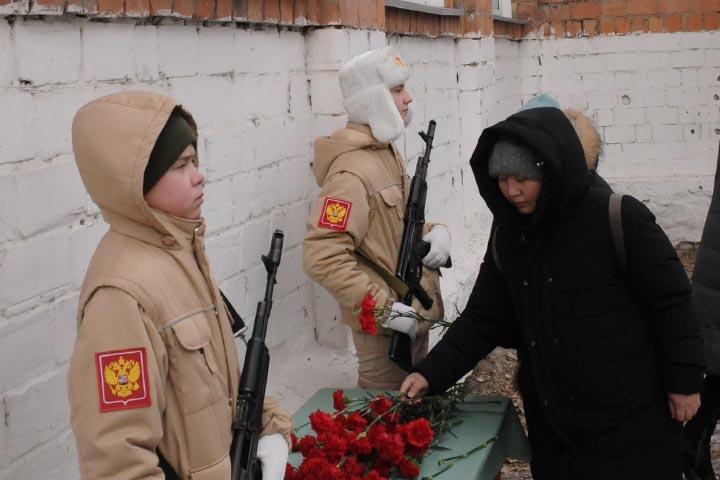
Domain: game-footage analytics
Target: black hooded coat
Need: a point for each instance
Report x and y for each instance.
(599, 348)
(706, 280)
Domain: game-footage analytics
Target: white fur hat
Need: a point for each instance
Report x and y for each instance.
(365, 82)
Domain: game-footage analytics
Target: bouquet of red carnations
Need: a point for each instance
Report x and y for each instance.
(371, 314)
(372, 437)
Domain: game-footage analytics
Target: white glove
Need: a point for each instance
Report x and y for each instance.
(273, 453)
(396, 321)
(439, 240)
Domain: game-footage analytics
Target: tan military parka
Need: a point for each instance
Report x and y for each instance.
(155, 366)
(352, 167)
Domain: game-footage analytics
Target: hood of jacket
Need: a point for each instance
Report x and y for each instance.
(113, 137)
(549, 133)
(353, 137)
(588, 135)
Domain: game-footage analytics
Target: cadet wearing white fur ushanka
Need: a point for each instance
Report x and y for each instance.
(356, 224)
(153, 378)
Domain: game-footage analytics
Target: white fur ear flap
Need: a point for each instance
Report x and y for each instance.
(374, 106)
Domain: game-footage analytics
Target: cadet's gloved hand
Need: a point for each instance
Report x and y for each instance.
(398, 322)
(439, 240)
(273, 453)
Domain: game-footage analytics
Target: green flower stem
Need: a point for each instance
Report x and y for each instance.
(450, 461)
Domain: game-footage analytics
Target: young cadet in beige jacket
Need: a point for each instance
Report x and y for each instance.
(154, 375)
(356, 224)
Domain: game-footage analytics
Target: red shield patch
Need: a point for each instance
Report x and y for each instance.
(335, 214)
(122, 379)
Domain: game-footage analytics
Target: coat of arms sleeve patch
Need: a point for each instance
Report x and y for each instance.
(122, 379)
(334, 214)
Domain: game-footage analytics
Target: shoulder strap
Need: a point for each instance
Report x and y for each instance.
(616, 228)
(493, 246)
(237, 322)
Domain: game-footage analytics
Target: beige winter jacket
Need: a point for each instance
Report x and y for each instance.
(155, 366)
(368, 179)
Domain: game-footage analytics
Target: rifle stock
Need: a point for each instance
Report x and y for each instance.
(247, 422)
(412, 250)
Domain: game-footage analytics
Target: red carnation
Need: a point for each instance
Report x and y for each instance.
(408, 469)
(355, 422)
(391, 448)
(322, 422)
(291, 473)
(418, 432)
(338, 400)
(334, 446)
(368, 323)
(294, 443)
(306, 444)
(374, 475)
(352, 467)
(318, 469)
(380, 405)
(361, 445)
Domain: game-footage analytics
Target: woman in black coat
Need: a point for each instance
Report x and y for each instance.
(706, 298)
(610, 356)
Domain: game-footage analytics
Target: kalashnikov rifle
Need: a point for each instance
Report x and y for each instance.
(247, 422)
(412, 251)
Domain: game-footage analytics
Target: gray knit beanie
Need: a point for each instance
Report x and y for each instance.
(512, 158)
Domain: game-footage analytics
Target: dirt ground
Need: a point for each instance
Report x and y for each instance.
(495, 375)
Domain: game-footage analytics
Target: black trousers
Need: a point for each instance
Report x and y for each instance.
(699, 430)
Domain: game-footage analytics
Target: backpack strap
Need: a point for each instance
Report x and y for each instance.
(616, 228)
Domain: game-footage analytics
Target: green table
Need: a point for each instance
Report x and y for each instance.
(484, 417)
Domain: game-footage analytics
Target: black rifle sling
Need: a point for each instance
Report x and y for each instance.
(237, 322)
(616, 229)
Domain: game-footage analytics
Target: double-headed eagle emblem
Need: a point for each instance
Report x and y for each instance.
(122, 377)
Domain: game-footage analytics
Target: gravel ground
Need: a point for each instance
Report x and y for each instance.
(495, 376)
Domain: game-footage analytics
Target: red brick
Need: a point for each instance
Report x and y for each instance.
(583, 10)
(622, 25)
(184, 8)
(239, 9)
(485, 6)
(695, 6)
(712, 21)
(255, 10)
(390, 20)
(674, 6)
(573, 28)
(368, 14)
(205, 8)
(674, 23)
(613, 8)
(90, 7)
(271, 10)
(486, 25)
(380, 12)
(590, 27)
(349, 12)
(287, 13)
(526, 11)
(300, 12)
(329, 11)
(223, 9)
(639, 24)
(559, 13)
(137, 8)
(470, 24)
(312, 11)
(711, 6)
(557, 29)
(110, 7)
(695, 23)
(47, 6)
(656, 24)
(607, 26)
(642, 7)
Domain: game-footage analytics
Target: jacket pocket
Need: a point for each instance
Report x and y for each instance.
(192, 363)
(217, 471)
(392, 197)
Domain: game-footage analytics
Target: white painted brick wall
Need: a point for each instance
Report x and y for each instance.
(260, 97)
